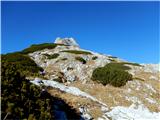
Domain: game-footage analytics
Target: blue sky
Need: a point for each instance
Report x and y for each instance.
(128, 30)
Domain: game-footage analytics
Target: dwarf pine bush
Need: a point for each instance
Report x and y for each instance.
(81, 60)
(113, 74)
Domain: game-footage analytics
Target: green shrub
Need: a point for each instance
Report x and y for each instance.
(77, 52)
(23, 63)
(37, 47)
(83, 61)
(54, 56)
(21, 99)
(112, 73)
(94, 58)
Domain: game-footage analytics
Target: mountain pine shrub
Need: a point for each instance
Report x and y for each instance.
(113, 74)
(83, 61)
(23, 63)
(21, 99)
(94, 58)
(53, 56)
(37, 47)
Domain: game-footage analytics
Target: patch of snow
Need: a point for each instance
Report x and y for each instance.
(71, 90)
(105, 117)
(100, 118)
(150, 87)
(133, 99)
(87, 116)
(151, 100)
(84, 114)
(104, 109)
(132, 113)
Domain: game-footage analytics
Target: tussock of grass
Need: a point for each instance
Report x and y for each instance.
(77, 52)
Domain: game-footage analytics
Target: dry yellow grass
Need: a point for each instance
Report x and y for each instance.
(77, 101)
(113, 96)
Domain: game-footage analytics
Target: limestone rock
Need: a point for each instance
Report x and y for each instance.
(66, 41)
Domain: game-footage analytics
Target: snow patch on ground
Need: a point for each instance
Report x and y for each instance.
(132, 113)
(150, 87)
(151, 100)
(71, 90)
(84, 114)
(133, 99)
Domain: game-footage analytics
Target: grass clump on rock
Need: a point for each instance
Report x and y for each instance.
(83, 61)
(113, 74)
(77, 52)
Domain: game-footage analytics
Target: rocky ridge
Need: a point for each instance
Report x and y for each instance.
(75, 73)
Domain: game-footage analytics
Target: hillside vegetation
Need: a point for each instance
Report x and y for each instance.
(23, 64)
(113, 74)
(82, 60)
(21, 99)
(37, 47)
(24, 100)
(53, 56)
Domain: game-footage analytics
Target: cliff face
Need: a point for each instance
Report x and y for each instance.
(72, 67)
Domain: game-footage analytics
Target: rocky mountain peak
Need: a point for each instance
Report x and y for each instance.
(66, 41)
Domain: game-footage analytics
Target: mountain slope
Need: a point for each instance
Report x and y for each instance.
(68, 71)
(66, 68)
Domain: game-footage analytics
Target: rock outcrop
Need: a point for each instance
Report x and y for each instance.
(66, 41)
(76, 80)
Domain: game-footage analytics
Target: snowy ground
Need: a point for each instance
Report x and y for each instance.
(71, 90)
(134, 112)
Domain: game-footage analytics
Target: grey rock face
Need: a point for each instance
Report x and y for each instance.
(66, 41)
